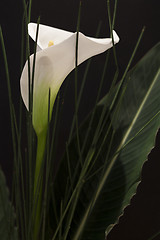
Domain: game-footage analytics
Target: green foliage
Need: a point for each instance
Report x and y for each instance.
(7, 215)
(97, 179)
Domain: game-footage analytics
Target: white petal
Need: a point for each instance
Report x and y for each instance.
(62, 57)
(47, 34)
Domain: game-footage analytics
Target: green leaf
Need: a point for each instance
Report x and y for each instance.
(93, 188)
(7, 215)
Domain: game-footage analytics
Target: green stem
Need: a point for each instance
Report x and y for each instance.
(38, 183)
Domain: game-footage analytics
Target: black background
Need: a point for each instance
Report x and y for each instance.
(142, 218)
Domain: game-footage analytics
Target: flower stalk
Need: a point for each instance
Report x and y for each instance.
(38, 183)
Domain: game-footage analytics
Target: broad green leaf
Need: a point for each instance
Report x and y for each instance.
(107, 181)
(7, 215)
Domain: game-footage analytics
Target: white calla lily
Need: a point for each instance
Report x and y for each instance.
(54, 61)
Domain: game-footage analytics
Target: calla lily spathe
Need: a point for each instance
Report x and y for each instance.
(55, 59)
